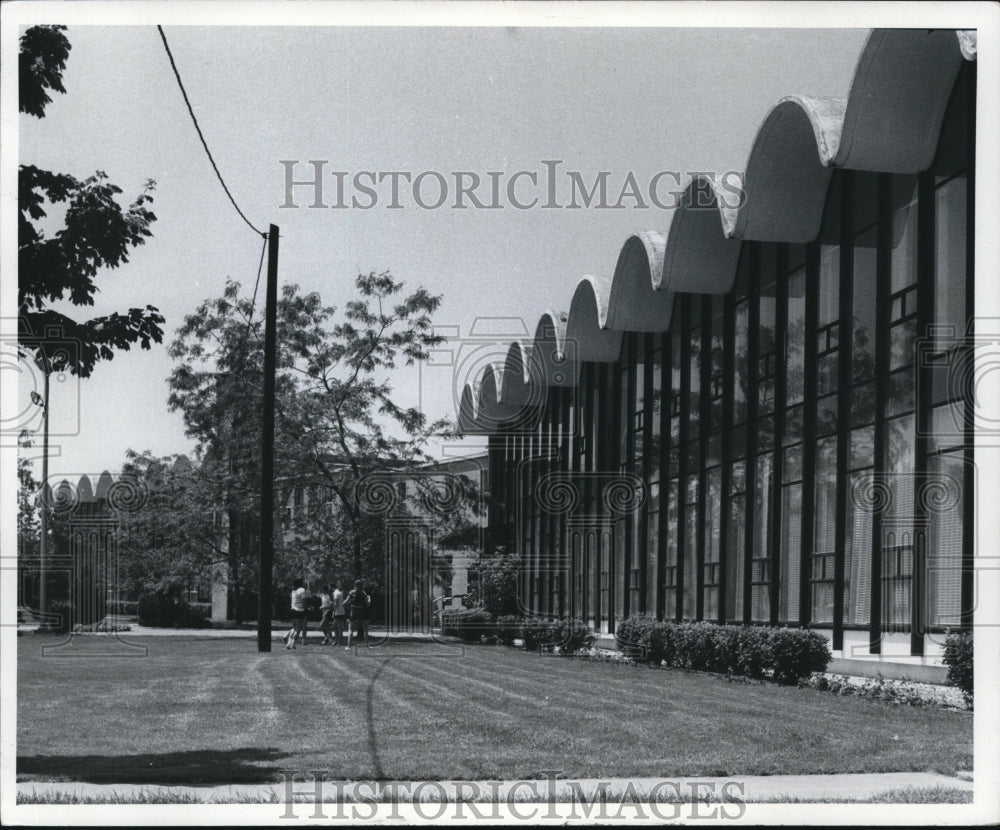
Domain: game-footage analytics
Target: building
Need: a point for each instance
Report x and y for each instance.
(764, 416)
(430, 524)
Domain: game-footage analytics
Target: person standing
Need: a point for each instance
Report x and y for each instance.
(299, 593)
(357, 603)
(339, 615)
(326, 609)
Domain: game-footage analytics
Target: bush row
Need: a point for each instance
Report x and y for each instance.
(783, 654)
(123, 608)
(958, 659)
(474, 625)
(163, 610)
(878, 689)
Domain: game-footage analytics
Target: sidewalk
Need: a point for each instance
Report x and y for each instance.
(278, 631)
(751, 788)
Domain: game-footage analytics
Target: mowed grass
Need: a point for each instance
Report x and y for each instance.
(203, 711)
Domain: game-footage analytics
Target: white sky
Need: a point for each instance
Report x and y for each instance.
(620, 100)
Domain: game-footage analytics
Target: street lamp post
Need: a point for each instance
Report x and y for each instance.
(43, 547)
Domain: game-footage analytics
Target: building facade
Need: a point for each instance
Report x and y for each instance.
(765, 416)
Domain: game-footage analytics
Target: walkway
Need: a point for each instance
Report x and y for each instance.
(752, 788)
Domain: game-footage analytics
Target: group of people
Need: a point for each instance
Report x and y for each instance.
(337, 609)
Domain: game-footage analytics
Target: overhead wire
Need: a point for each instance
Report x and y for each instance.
(215, 167)
(201, 136)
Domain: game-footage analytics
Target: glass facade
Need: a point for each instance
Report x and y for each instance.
(798, 448)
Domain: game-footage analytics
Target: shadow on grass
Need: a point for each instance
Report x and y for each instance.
(247, 765)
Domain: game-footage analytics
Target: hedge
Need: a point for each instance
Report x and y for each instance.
(571, 636)
(783, 654)
(123, 608)
(958, 659)
(469, 624)
(160, 609)
(472, 625)
(60, 615)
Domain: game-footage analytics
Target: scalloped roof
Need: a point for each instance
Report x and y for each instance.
(889, 122)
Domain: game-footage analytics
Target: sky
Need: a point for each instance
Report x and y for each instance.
(410, 99)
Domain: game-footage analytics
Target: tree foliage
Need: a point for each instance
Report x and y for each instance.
(337, 419)
(96, 233)
(174, 536)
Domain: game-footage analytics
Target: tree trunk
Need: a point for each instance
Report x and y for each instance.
(234, 568)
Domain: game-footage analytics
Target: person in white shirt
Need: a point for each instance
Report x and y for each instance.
(339, 615)
(299, 594)
(326, 609)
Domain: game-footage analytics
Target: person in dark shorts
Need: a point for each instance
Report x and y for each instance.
(326, 609)
(357, 605)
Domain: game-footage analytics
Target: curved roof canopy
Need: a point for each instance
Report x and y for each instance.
(890, 122)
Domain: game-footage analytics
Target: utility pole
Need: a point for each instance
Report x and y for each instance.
(43, 546)
(265, 589)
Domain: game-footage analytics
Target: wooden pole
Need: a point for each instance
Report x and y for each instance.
(265, 588)
(43, 542)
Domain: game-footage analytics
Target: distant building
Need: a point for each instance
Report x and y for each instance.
(424, 568)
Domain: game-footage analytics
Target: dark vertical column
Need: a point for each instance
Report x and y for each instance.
(704, 408)
(544, 540)
(683, 579)
(264, 583)
(753, 356)
(603, 439)
(883, 283)
(648, 460)
(666, 393)
(843, 399)
(567, 573)
(628, 462)
(926, 251)
(968, 354)
(780, 383)
(728, 380)
(810, 384)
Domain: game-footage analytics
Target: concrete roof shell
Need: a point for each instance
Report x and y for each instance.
(890, 122)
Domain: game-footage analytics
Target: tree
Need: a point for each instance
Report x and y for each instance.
(499, 582)
(336, 420)
(173, 537)
(96, 233)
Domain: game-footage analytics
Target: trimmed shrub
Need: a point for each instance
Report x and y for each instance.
(694, 647)
(163, 609)
(576, 636)
(661, 644)
(541, 634)
(469, 624)
(60, 615)
(796, 653)
(568, 635)
(123, 608)
(958, 659)
(748, 656)
(785, 654)
(633, 635)
(155, 609)
(507, 629)
(194, 615)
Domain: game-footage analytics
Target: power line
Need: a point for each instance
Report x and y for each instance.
(253, 305)
(204, 144)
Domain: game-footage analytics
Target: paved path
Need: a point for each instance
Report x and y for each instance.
(751, 788)
(278, 632)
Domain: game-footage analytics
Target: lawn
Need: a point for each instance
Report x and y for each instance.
(204, 711)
